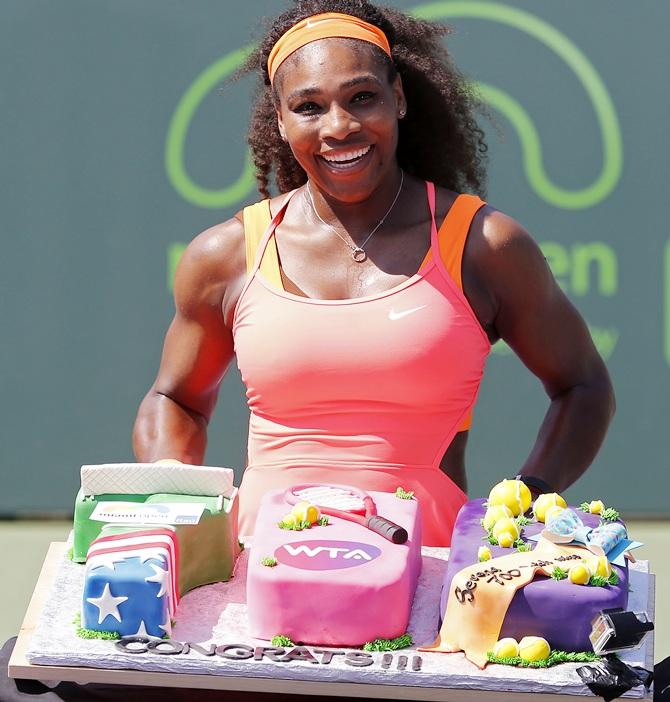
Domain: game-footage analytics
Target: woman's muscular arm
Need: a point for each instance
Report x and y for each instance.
(517, 299)
(172, 419)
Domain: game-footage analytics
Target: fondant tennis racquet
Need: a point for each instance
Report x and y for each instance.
(347, 503)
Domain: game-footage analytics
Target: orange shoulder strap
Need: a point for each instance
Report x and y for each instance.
(256, 221)
(453, 233)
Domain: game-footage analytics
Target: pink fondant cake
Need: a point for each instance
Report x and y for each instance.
(339, 584)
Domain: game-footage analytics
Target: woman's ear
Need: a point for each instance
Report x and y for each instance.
(399, 94)
(280, 126)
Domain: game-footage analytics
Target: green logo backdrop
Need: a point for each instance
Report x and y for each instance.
(119, 147)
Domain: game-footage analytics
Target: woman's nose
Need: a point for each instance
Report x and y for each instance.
(338, 123)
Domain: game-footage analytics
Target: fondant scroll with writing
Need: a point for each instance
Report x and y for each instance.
(480, 596)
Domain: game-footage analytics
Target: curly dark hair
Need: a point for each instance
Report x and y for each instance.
(439, 139)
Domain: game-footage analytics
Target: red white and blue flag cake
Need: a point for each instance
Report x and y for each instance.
(130, 583)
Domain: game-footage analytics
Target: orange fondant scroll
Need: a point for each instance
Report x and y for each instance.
(480, 595)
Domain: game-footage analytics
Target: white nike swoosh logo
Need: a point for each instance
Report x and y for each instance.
(393, 315)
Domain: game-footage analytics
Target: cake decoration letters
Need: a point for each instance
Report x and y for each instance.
(495, 575)
(277, 654)
(326, 554)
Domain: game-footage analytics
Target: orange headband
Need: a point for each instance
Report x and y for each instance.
(324, 26)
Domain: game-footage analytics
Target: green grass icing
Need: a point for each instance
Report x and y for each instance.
(389, 644)
(555, 657)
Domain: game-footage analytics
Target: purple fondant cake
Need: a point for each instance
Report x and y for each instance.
(559, 611)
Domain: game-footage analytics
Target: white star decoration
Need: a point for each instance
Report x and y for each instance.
(142, 631)
(160, 576)
(107, 604)
(167, 626)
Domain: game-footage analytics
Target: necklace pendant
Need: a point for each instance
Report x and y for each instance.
(359, 255)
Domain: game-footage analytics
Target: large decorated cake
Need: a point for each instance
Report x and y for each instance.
(523, 579)
(165, 588)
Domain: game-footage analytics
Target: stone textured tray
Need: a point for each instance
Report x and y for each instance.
(48, 648)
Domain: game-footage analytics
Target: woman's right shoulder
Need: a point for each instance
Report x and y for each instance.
(215, 252)
(212, 266)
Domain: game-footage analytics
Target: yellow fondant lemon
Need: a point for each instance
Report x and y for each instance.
(534, 648)
(579, 574)
(544, 502)
(599, 565)
(484, 553)
(506, 525)
(494, 513)
(506, 540)
(506, 648)
(512, 493)
(306, 512)
(596, 506)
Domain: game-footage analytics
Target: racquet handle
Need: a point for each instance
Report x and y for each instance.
(387, 529)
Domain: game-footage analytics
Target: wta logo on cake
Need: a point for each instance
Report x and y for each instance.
(326, 555)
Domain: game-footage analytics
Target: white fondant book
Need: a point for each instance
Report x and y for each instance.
(153, 478)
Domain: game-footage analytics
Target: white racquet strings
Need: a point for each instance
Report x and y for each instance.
(330, 496)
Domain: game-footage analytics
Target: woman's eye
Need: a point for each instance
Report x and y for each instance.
(307, 108)
(363, 96)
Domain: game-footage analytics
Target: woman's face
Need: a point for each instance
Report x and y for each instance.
(339, 113)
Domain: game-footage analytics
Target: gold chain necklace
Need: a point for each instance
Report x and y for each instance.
(357, 252)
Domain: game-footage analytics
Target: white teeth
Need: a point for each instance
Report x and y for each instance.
(346, 155)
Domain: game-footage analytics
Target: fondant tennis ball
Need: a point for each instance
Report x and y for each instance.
(512, 493)
(299, 507)
(534, 648)
(484, 553)
(306, 512)
(506, 540)
(544, 502)
(506, 525)
(579, 574)
(552, 512)
(493, 514)
(596, 506)
(506, 648)
(290, 519)
(599, 565)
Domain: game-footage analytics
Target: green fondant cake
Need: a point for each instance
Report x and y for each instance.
(208, 546)
(207, 549)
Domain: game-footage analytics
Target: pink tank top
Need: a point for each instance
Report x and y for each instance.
(368, 391)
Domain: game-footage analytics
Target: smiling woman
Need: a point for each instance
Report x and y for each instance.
(439, 139)
(362, 301)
